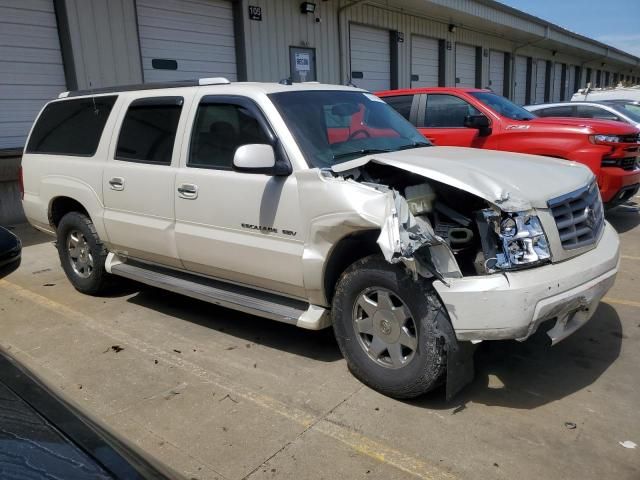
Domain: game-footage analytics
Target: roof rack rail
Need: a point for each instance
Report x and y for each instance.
(147, 86)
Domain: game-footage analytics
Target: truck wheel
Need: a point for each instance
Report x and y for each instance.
(82, 254)
(388, 328)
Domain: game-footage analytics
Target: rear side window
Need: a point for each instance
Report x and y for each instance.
(148, 130)
(71, 127)
(401, 104)
(562, 111)
(588, 111)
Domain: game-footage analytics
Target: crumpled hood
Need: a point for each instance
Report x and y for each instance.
(512, 181)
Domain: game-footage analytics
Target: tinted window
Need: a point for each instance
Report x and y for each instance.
(401, 104)
(218, 130)
(587, 111)
(447, 111)
(71, 127)
(563, 111)
(149, 130)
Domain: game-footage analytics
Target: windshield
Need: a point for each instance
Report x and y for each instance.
(504, 107)
(335, 126)
(631, 110)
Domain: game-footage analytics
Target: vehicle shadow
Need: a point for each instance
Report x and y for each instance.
(530, 374)
(624, 217)
(316, 345)
(522, 375)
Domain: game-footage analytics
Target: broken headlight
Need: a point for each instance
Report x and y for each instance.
(518, 240)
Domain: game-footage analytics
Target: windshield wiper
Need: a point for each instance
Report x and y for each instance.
(414, 145)
(364, 151)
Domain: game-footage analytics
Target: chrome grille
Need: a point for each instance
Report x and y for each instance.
(579, 217)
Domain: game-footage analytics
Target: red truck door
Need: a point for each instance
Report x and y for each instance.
(441, 119)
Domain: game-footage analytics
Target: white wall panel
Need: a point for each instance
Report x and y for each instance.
(31, 70)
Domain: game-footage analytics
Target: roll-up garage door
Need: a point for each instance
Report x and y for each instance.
(557, 82)
(520, 87)
(31, 71)
(424, 62)
(465, 65)
(181, 39)
(496, 71)
(541, 74)
(370, 57)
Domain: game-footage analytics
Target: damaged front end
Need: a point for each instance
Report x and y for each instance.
(442, 232)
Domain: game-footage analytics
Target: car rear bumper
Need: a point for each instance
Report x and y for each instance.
(618, 185)
(513, 305)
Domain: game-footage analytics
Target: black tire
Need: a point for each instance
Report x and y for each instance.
(97, 280)
(426, 368)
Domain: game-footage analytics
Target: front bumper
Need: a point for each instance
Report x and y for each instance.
(512, 305)
(617, 184)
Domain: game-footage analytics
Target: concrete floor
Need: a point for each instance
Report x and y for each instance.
(216, 394)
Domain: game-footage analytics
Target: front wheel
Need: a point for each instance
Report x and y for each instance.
(82, 254)
(389, 328)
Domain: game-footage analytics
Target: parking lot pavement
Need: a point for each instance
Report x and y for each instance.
(215, 393)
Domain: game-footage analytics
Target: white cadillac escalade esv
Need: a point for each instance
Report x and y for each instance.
(319, 205)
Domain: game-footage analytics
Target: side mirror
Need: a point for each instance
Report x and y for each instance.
(479, 122)
(476, 121)
(255, 158)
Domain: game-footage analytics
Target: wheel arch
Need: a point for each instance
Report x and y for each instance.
(61, 205)
(348, 250)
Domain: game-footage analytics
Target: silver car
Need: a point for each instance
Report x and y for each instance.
(627, 111)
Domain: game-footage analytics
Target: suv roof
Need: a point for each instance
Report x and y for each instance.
(264, 87)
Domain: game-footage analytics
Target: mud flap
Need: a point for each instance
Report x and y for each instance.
(460, 366)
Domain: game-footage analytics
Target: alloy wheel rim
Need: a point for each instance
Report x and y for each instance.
(79, 254)
(385, 328)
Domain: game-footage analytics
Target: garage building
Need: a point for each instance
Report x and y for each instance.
(48, 46)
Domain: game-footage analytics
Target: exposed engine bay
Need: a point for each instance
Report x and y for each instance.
(482, 239)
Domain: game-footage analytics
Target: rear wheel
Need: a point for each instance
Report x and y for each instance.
(388, 328)
(82, 254)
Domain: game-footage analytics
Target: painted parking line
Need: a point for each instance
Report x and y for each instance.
(348, 437)
(621, 301)
(629, 257)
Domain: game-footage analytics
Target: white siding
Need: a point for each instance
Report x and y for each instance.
(557, 82)
(198, 35)
(371, 56)
(520, 76)
(424, 62)
(540, 77)
(496, 71)
(31, 71)
(465, 65)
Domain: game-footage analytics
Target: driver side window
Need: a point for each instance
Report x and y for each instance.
(447, 111)
(218, 130)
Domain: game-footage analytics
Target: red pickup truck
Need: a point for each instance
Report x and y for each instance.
(477, 118)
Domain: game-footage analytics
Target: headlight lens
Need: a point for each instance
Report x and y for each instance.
(526, 245)
(605, 139)
(521, 240)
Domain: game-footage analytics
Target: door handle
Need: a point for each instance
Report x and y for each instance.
(188, 191)
(117, 183)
